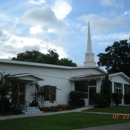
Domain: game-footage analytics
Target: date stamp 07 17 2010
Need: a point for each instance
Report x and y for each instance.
(123, 116)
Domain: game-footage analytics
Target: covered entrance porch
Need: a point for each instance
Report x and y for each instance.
(24, 90)
(88, 88)
(88, 84)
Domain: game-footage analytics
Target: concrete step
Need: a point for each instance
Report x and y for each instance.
(32, 110)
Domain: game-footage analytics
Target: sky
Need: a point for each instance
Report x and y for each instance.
(62, 25)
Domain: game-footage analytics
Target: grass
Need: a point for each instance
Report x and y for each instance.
(114, 109)
(66, 121)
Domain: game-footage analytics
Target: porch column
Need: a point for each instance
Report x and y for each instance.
(122, 101)
(73, 86)
(98, 87)
(112, 87)
(112, 103)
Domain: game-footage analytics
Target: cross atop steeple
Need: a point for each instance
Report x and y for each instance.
(89, 56)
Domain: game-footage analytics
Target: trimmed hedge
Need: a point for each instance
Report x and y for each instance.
(76, 99)
(74, 95)
(116, 97)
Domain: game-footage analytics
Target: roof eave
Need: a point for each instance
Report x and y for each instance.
(83, 79)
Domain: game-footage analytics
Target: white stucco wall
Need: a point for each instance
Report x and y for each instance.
(62, 92)
(56, 77)
(118, 79)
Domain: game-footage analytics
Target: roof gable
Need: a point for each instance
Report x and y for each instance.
(122, 75)
(27, 77)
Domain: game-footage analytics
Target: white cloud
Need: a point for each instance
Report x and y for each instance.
(112, 3)
(40, 23)
(11, 29)
(60, 50)
(104, 43)
(12, 44)
(102, 24)
(35, 29)
(37, 1)
(61, 8)
(3, 16)
(116, 36)
(44, 18)
(127, 12)
(107, 2)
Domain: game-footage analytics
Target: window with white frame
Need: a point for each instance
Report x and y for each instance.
(83, 87)
(50, 93)
(118, 87)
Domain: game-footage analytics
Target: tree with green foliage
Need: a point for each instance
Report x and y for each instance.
(116, 58)
(29, 56)
(103, 99)
(52, 57)
(65, 61)
(7, 87)
(98, 100)
(106, 91)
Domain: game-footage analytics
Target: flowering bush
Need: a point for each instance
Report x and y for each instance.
(59, 107)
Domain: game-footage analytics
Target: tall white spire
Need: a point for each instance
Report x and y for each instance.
(89, 46)
(89, 56)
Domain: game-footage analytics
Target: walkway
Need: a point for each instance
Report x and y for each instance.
(44, 114)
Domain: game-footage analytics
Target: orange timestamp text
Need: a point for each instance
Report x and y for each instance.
(123, 116)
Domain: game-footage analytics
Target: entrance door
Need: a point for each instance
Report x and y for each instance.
(92, 90)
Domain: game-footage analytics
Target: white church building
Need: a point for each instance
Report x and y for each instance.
(87, 78)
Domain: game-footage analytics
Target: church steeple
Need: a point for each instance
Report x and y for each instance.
(89, 46)
(89, 56)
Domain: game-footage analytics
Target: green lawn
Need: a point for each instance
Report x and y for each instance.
(114, 109)
(66, 121)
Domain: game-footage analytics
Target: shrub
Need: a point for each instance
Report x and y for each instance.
(34, 103)
(76, 99)
(74, 95)
(98, 99)
(17, 110)
(106, 91)
(62, 106)
(116, 97)
(57, 108)
(80, 103)
(127, 98)
(5, 105)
